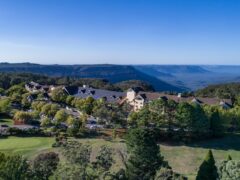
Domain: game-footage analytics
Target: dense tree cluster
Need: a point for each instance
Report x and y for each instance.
(125, 85)
(227, 169)
(229, 90)
(15, 167)
(8, 80)
(25, 117)
(186, 120)
(78, 164)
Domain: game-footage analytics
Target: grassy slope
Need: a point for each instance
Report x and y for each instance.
(27, 146)
(184, 159)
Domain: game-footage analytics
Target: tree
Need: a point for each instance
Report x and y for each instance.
(69, 172)
(85, 105)
(46, 122)
(5, 105)
(216, 124)
(185, 116)
(61, 116)
(2, 91)
(74, 126)
(49, 109)
(79, 155)
(144, 154)
(200, 123)
(207, 170)
(59, 95)
(25, 101)
(143, 117)
(13, 167)
(163, 111)
(23, 117)
(70, 121)
(16, 89)
(38, 105)
(229, 170)
(69, 100)
(229, 158)
(104, 159)
(44, 165)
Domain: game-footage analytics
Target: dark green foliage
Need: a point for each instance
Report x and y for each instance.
(59, 95)
(79, 166)
(77, 153)
(140, 118)
(125, 85)
(215, 123)
(9, 79)
(144, 154)
(16, 89)
(74, 128)
(229, 158)
(104, 158)
(207, 170)
(200, 124)
(5, 105)
(109, 113)
(185, 116)
(78, 156)
(44, 165)
(229, 90)
(13, 167)
(182, 120)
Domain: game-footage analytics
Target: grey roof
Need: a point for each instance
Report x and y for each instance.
(149, 96)
(110, 96)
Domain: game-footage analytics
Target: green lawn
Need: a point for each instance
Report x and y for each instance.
(27, 146)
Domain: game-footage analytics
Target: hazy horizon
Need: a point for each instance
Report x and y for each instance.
(23, 62)
(120, 32)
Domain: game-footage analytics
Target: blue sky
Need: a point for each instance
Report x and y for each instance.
(120, 31)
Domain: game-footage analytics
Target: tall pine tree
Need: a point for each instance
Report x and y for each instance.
(144, 155)
(207, 170)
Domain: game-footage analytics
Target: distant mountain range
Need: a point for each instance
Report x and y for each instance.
(161, 77)
(112, 73)
(193, 76)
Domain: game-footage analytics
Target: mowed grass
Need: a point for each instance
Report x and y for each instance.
(26, 146)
